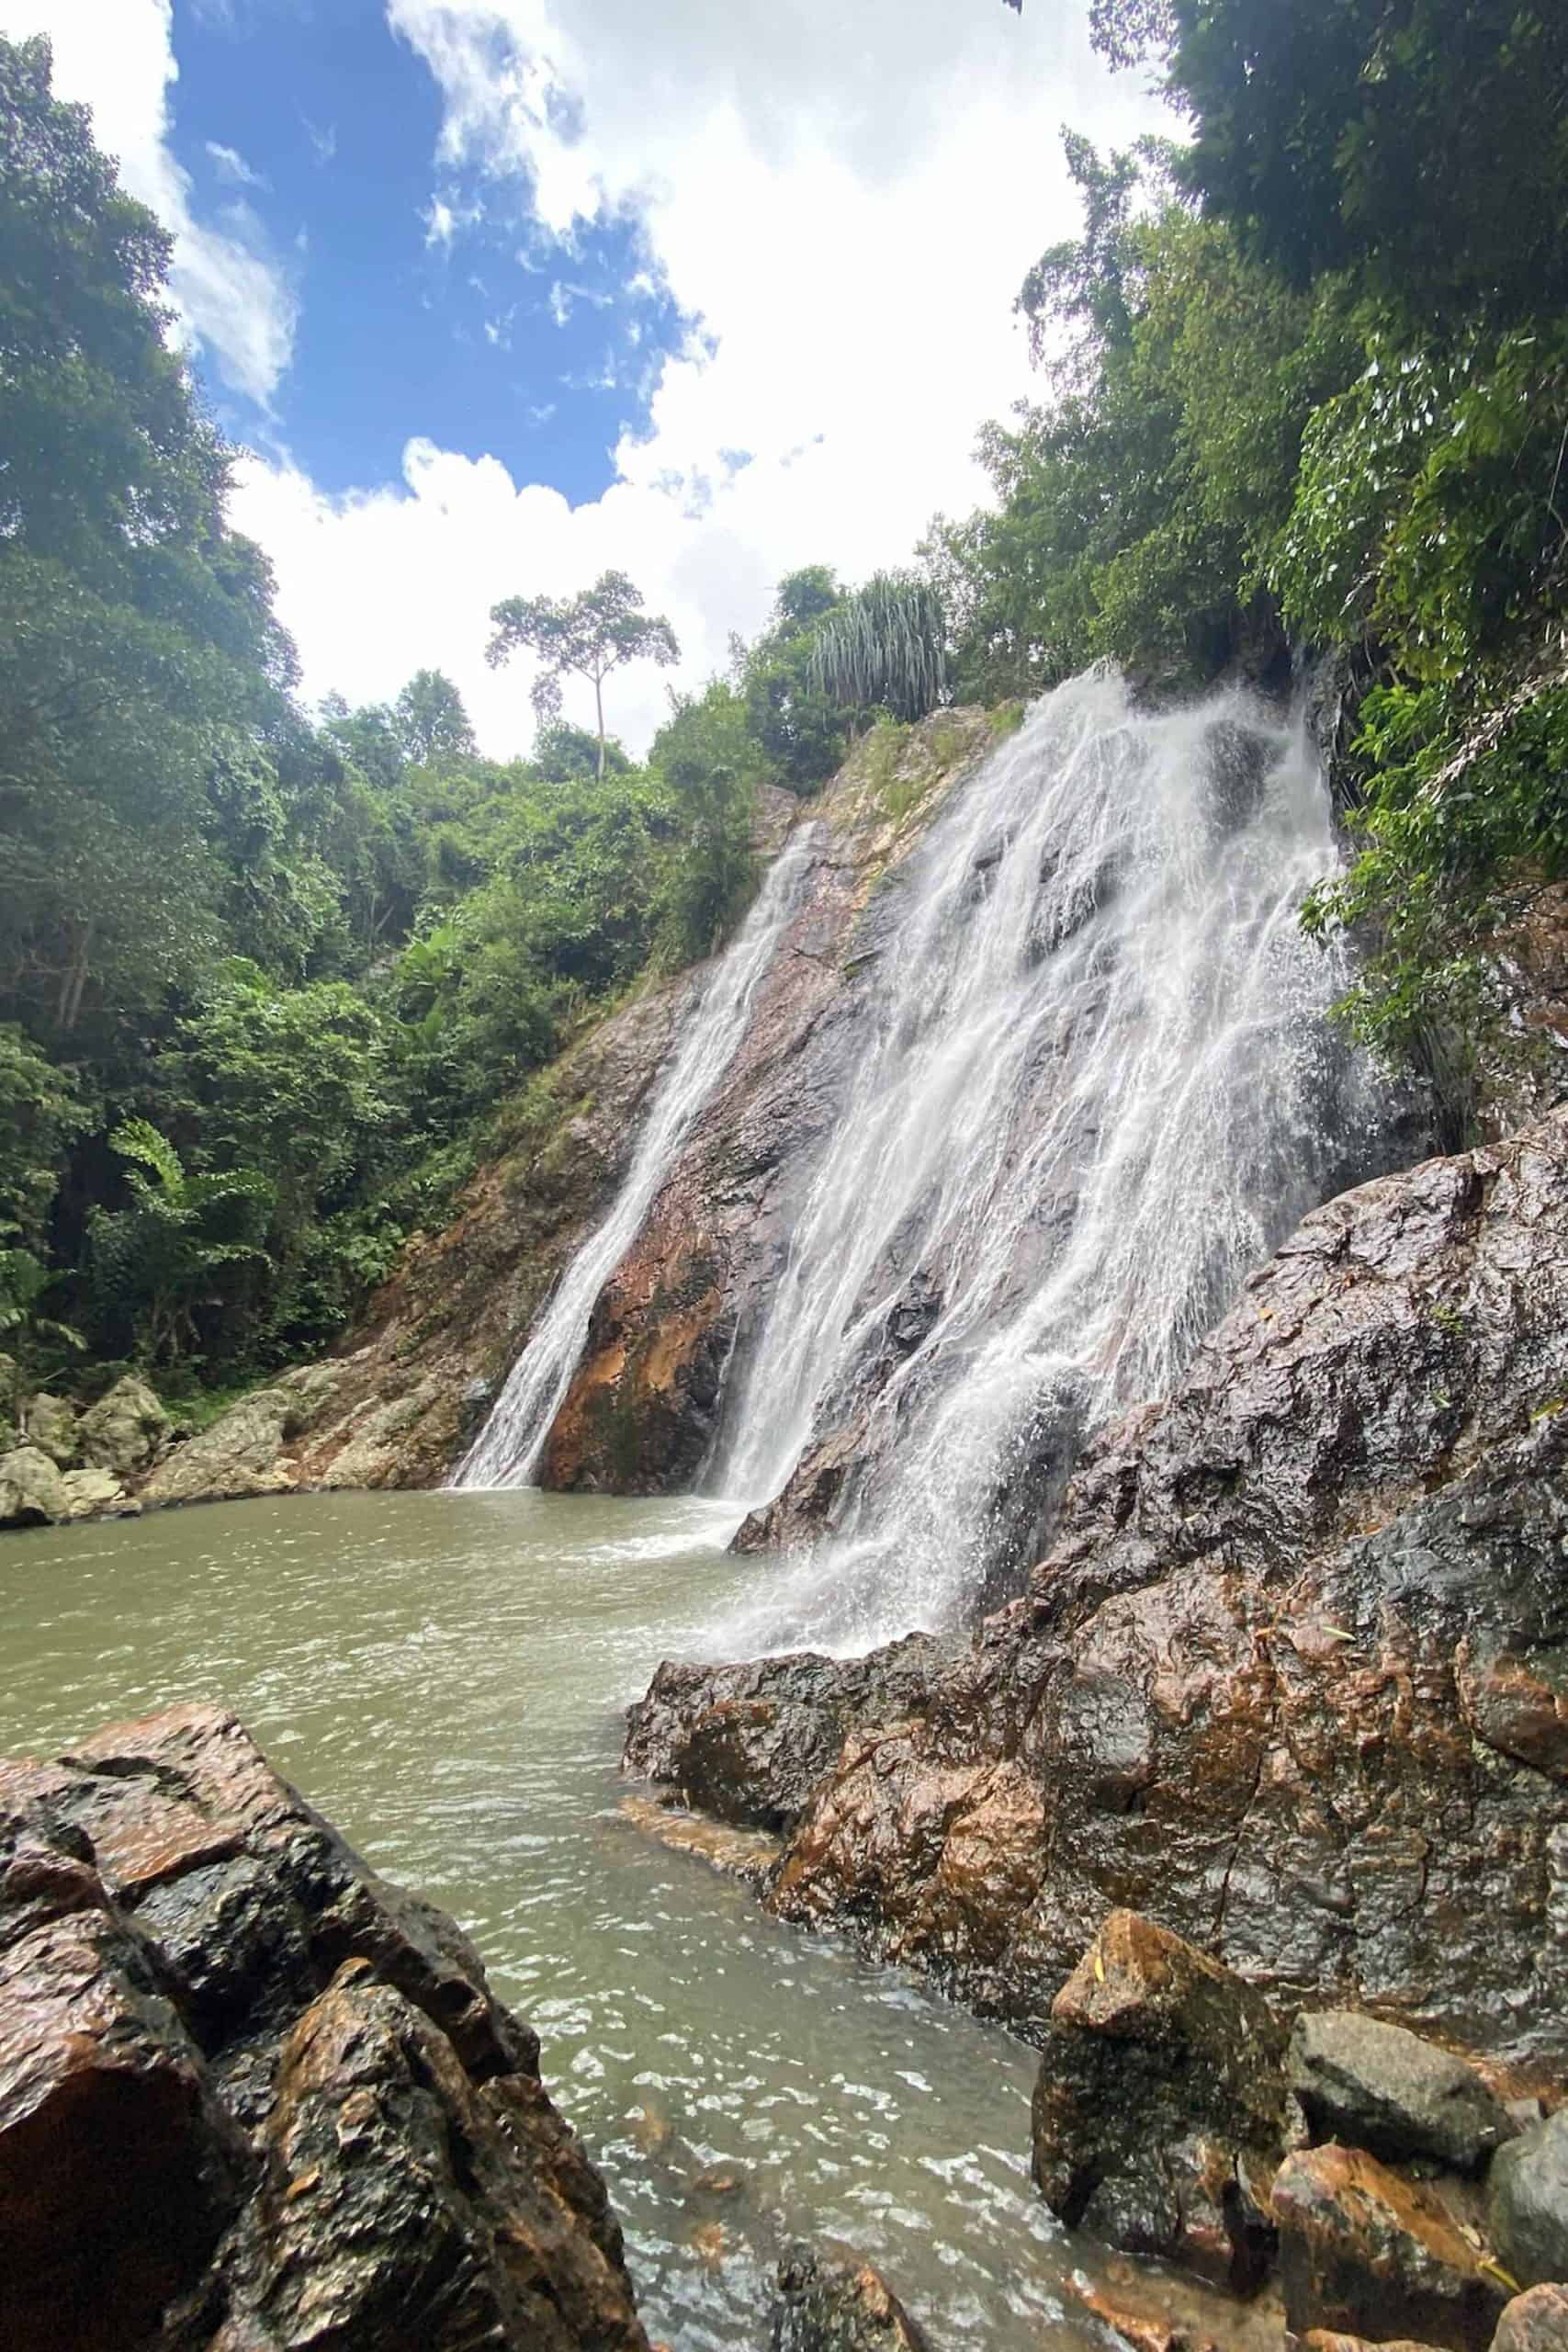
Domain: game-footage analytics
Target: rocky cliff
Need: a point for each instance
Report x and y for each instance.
(400, 1402)
(254, 2099)
(1290, 1680)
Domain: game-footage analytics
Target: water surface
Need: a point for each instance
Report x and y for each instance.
(443, 1676)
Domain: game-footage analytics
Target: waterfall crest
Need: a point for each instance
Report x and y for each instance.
(507, 1450)
(1098, 1085)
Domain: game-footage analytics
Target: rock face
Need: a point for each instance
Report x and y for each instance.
(748, 1744)
(641, 1414)
(838, 2307)
(1158, 2110)
(1361, 2248)
(1290, 1680)
(272, 2095)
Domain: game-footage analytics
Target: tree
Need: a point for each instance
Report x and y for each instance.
(885, 649)
(1422, 143)
(430, 722)
(587, 636)
(158, 1261)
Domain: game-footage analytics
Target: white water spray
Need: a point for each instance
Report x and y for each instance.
(507, 1450)
(1100, 1087)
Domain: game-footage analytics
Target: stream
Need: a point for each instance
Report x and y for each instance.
(443, 1676)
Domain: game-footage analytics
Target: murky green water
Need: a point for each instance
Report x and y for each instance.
(443, 1675)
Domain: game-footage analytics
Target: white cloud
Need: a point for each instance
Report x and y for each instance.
(849, 202)
(231, 166)
(232, 295)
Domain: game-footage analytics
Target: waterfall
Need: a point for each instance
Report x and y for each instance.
(1097, 1086)
(507, 1447)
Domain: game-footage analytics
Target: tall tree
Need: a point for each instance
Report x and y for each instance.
(585, 636)
(430, 722)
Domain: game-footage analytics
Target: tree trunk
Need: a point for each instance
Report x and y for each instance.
(599, 705)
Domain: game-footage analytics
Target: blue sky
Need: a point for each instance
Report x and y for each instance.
(498, 294)
(428, 296)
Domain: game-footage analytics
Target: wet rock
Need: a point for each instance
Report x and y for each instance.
(1326, 2340)
(33, 1492)
(1536, 2322)
(838, 2307)
(1381, 2089)
(673, 1323)
(109, 2137)
(50, 1423)
(1526, 2203)
(125, 1431)
(748, 1744)
(273, 2094)
(1363, 2251)
(1289, 1680)
(1159, 2108)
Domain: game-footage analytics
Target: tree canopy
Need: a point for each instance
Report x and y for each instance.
(586, 636)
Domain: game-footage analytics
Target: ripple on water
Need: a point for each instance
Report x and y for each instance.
(442, 1674)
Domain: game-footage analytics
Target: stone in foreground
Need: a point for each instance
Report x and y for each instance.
(1364, 2251)
(1157, 2111)
(1526, 2203)
(838, 2307)
(1536, 2322)
(254, 2099)
(1380, 2087)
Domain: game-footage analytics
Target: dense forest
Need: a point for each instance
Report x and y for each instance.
(272, 982)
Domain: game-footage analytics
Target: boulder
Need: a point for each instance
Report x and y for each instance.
(244, 1452)
(272, 2095)
(1158, 2107)
(838, 2307)
(32, 1490)
(50, 1423)
(748, 1744)
(1380, 2087)
(111, 2137)
(91, 1493)
(125, 1431)
(1366, 2252)
(1526, 2203)
(1534, 2322)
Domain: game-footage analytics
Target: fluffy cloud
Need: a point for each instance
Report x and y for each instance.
(233, 296)
(848, 198)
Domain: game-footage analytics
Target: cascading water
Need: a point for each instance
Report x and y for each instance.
(507, 1447)
(1099, 1085)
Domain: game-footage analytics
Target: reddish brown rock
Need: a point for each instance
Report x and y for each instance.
(1288, 1680)
(1158, 2107)
(1365, 2251)
(1326, 2339)
(272, 2095)
(1536, 2322)
(838, 2307)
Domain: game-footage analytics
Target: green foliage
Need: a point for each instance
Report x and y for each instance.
(709, 761)
(35, 1339)
(40, 1115)
(586, 636)
(1422, 144)
(181, 1250)
(886, 647)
